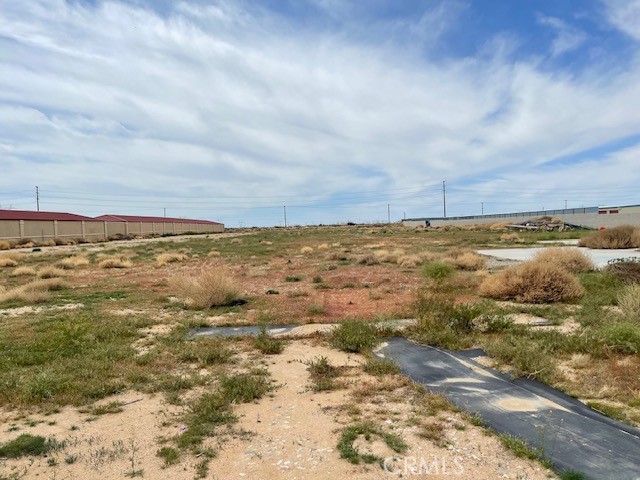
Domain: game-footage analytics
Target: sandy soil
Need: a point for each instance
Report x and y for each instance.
(291, 434)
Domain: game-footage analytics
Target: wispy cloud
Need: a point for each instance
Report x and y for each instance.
(567, 38)
(219, 99)
(625, 15)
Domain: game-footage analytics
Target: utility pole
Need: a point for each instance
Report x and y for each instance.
(565, 204)
(444, 198)
(38, 198)
(285, 215)
(388, 213)
(165, 212)
(482, 208)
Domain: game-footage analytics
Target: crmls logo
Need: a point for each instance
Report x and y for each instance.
(424, 466)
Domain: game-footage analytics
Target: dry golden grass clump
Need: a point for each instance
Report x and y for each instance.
(624, 236)
(306, 250)
(410, 261)
(23, 271)
(468, 261)
(4, 245)
(498, 226)
(389, 257)
(211, 287)
(7, 262)
(265, 242)
(571, 259)
(629, 301)
(213, 254)
(70, 263)
(511, 238)
(51, 272)
(166, 258)
(323, 246)
(115, 262)
(236, 241)
(34, 292)
(532, 282)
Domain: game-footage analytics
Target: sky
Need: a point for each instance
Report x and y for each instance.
(337, 110)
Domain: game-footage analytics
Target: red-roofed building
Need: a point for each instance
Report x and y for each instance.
(29, 215)
(135, 218)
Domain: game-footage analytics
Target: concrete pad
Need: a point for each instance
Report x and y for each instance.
(599, 257)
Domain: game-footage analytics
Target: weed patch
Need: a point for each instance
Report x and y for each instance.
(354, 336)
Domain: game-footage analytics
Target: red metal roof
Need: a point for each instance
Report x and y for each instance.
(135, 218)
(29, 215)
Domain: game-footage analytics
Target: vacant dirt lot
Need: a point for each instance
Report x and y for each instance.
(98, 380)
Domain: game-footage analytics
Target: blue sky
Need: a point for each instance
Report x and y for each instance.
(229, 110)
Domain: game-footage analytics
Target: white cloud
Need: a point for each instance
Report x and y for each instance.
(216, 100)
(625, 15)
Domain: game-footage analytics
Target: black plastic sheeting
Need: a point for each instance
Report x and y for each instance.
(244, 331)
(567, 432)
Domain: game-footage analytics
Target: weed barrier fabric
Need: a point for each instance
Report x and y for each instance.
(563, 430)
(244, 331)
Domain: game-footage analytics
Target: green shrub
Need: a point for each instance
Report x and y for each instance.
(267, 344)
(527, 358)
(170, 455)
(367, 430)
(381, 366)
(622, 337)
(24, 445)
(437, 272)
(354, 336)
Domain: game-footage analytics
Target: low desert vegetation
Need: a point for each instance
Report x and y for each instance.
(23, 272)
(70, 263)
(7, 262)
(115, 262)
(533, 282)
(306, 250)
(33, 292)
(355, 336)
(567, 258)
(629, 301)
(613, 238)
(625, 269)
(171, 257)
(209, 287)
(51, 272)
(511, 238)
(366, 431)
(467, 261)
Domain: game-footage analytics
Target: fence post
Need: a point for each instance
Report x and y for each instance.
(83, 229)
(21, 228)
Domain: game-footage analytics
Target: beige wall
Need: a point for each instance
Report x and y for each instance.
(47, 229)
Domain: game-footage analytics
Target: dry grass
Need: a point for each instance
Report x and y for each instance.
(7, 262)
(51, 272)
(210, 287)
(468, 261)
(23, 271)
(70, 263)
(34, 292)
(624, 236)
(5, 245)
(532, 282)
(389, 257)
(213, 254)
(115, 262)
(628, 272)
(410, 261)
(571, 259)
(323, 246)
(306, 250)
(629, 301)
(510, 238)
(167, 258)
